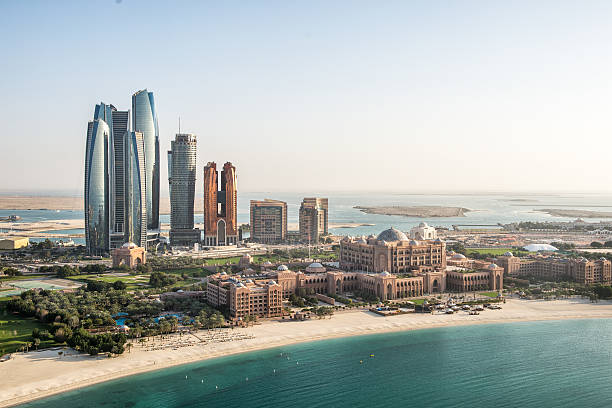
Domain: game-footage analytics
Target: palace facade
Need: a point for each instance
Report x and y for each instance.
(393, 252)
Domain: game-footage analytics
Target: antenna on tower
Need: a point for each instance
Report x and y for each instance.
(179, 125)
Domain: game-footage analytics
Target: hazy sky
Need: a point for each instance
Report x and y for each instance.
(325, 95)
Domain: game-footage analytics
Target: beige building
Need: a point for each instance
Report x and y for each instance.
(392, 251)
(580, 270)
(129, 254)
(268, 221)
(14, 243)
(261, 298)
(313, 219)
(489, 277)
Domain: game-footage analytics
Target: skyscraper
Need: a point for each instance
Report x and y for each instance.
(96, 192)
(144, 120)
(120, 126)
(135, 188)
(181, 180)
(268, 221)
(313, 219)
(220, 206)
(116, 180)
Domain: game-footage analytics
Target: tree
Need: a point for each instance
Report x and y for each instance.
(36, 343)
(596, 244)
(119, 285)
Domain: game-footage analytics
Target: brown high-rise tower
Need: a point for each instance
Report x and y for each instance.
(220, 206)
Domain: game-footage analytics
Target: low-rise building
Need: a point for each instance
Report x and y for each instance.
(129, 254)
(12, 243)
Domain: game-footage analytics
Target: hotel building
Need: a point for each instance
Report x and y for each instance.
(313, 219)
(393, 252)
(580, 270)
(182, 180)
(220, 206)
(268, 221)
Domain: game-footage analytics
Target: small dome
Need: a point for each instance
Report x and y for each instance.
(414, 243)
(458, 256)
(282, 268)
(267, 263)
(423, 225)
(129, 245)
(508, 254)
(438, 240)
(391, 235)
(272, 282)
(492, 266)
(315, 265)
(385, 273)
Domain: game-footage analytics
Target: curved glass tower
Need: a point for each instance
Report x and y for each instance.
(144, 120)
(97, 185)
(135, 190)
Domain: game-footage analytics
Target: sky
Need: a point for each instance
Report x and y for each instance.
(319, 96)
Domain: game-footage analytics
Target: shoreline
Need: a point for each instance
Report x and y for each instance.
(28, 381)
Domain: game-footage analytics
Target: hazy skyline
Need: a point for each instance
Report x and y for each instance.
(320, 96)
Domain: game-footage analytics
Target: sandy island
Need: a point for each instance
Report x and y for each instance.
(426, 211)
(555, 212)
(39, 374)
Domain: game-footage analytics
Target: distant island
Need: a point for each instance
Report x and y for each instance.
(426, 211)
(555, 212)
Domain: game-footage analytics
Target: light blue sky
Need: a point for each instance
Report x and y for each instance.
(320, 95)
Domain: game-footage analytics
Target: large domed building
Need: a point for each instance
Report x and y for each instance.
(392, 251)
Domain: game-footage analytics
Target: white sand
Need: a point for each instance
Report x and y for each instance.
(38, 374)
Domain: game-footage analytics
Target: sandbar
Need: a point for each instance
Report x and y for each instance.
(425, 211)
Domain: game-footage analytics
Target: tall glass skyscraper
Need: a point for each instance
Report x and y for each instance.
(182, 179)
(135, 189)
(117, 183)
(97, 233)
(144, 120)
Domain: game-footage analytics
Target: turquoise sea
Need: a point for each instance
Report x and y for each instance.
(532, 364)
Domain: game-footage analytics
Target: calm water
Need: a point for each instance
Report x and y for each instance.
(488, 209)
(538, 364)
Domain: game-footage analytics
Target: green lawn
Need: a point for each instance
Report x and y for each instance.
(16, 331)
(131, 281)
(489, 294)
(222, 261)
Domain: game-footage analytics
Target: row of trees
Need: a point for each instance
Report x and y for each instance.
(596, 244)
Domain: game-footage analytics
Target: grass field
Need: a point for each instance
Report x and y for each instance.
(16, 331)
(489, 294)
(132, 281)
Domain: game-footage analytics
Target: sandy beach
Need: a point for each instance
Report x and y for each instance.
(39, 374)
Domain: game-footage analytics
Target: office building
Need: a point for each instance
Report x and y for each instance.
(144, 120)
(220, 206)
(313, 219)
(115, 185)
(268, 221)
(181, 180)
(96, 194)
